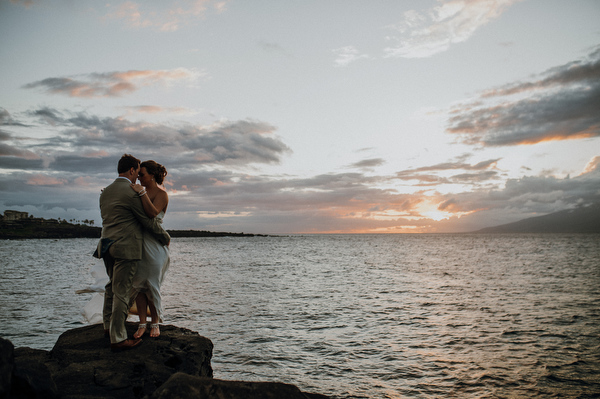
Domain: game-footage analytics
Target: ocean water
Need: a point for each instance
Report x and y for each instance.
(355, 316)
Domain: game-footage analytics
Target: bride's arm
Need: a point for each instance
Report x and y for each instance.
(152, 209)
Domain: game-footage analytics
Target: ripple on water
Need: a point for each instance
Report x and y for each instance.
(355, 316)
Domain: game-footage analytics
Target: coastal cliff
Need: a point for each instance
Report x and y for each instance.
(177, 364)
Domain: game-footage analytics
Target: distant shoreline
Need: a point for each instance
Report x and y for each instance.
(34, 228)
(19, 225)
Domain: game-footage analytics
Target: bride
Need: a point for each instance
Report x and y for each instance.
(155, 257)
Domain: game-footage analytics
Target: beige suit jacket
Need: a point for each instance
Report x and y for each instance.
(123, 221)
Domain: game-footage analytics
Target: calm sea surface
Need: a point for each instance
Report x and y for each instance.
(353, 316)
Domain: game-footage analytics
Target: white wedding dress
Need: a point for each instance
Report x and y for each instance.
(151, 270)
(148, 279)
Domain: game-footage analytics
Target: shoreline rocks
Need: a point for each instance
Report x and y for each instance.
(81, 365)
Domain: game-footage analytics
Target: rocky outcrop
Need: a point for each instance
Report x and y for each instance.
(31, 376)
(7, 365)
(184, 386)
(81, 365)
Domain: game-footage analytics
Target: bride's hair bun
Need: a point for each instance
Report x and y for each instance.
(156, 170)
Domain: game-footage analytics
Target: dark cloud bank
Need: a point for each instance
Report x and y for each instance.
(562, 104)
(214, 183)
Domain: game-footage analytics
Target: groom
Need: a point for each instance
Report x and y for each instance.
(123, 221)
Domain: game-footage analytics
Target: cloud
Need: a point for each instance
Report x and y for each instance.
(165, 19)
(13, 155)
(14, 159)
(581, 73)
(490, 163)
(351, 202)
(221, 198)
(214, 184)
(104, 164)
(7, 120)
(524, 197)
(9, 150)
(474, 177)
(272, 47)
(348, 54)
(233, 143)
(25, 3)
(330, 197)
(42, 180)
(592, 166)
(426, 178)
(41, 191)
(229, 199)
(368, 163)
(154, 109)
(113, 84)
(562, 104)
(423, 34)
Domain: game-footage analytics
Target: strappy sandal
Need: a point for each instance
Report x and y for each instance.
(154, 330)
(141, 326)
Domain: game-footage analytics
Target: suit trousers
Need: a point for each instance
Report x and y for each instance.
(116, 296)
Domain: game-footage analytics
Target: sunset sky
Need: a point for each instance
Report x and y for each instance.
(312, 116)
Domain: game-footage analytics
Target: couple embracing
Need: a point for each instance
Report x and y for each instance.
(134, 247)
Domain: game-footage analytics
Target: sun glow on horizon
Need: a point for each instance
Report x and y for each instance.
(430, 210)
(437, 215)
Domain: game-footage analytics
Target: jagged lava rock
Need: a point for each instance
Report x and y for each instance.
(31, 376)
(84, 360)
(7, 365)
(81, 365)
(183, 386)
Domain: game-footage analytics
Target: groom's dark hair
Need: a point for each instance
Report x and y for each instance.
(127, 162)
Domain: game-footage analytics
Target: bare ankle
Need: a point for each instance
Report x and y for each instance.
(140, 330)
(154, 330)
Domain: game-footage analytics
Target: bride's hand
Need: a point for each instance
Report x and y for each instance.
(136, 187)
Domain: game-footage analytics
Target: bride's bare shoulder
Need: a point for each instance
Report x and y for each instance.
(163, 192)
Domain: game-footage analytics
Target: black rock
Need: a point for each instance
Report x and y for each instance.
(183, 386)
(31, 376)
(81, 365)
(7, 364)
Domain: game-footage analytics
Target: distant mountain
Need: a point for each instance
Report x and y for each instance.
(579, 220)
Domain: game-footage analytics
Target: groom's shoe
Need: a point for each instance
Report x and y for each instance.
(124, 345)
